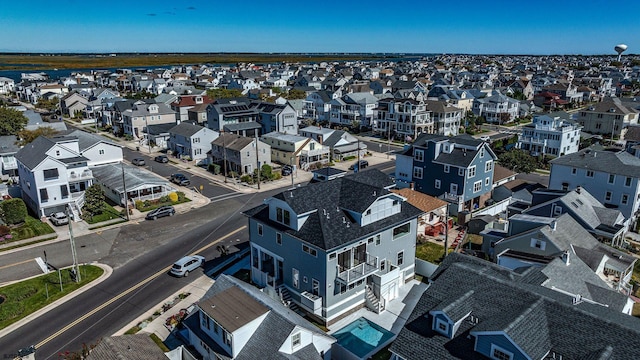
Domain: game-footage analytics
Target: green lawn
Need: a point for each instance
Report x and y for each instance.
(430, 252)
(26, 297)
(31, 227)
(107, 214)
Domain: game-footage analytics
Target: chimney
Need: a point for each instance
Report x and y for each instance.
(320, 139)
(565, 257)
(412, 185)
(578, 189)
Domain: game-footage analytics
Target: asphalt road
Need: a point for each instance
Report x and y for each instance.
(140, 255)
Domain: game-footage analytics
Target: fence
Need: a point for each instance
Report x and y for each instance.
(425, 268)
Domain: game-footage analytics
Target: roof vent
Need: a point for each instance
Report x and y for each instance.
(337, 208)
(374, 193)
(612, 110)
(577, 299)
(290, 193)
(324, 212)
(344, 220)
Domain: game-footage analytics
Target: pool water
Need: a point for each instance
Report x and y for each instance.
(362, 336)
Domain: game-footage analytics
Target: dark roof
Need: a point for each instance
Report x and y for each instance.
(246, 125)
(232, 141)
(34, 153)
(537, 319)
(87, 140)
(185, 129)
(619, 162)
(8, 144)
(329, 171)
(157, 129)
(130, 347)
(329, 224)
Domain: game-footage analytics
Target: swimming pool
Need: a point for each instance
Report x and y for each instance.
(362, 336)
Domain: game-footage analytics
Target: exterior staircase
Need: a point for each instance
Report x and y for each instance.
(285, 298)
(373, 302)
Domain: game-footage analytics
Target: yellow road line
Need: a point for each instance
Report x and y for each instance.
(128, 291)
(18, 263)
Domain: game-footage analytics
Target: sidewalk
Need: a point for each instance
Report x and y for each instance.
(196, 290)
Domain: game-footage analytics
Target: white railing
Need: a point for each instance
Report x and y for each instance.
(359, 271)
(85, 174)
(311, 302)
(452, 197)
(322, 151)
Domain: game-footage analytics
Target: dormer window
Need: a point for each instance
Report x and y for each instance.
(283, 216)
(498, 353)
(296, 340)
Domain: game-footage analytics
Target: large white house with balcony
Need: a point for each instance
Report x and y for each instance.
(55, 172)
(333, 247)
(497, 108)
(296, 150)
(550, 136)
(354, 107)
(403, 118)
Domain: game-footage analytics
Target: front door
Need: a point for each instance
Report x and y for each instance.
(344, 260)
(360, 254)
(280, 270)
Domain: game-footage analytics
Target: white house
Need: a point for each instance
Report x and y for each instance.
(6, 85)
(193, 141)
(550, 136)
(235, 320)
(497, 108)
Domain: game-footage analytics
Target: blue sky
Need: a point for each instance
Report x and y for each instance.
(484, 27)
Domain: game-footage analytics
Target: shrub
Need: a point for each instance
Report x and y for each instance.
(165, 199)
(247, 178)
(4, 230)
(139, 204)
(13, 211)
(214, 168)
(181, 196)
(173, 197)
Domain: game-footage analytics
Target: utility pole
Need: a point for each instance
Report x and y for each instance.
(74, 255)
(124, 191)
(258, 161)
(446, 230)
(146, 125)
(388, 138)
(292, 172)
(224, 155)
(357, 167)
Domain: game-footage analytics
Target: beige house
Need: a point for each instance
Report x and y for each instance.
(607, 117)
(142, 115)
(296, 150)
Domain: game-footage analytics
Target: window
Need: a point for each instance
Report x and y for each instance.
(574, 171)
(260, 229)
(383, 264)
(488, 166)
(377, 239)
(538, 244)
(442, 326)
(205, 321)
(607, 196)
(627, 181)
(417, 172)
(401, 230)
(612, 178)
(625, 199)
(460, 172)
(44, 195)
(50, 174)
(101, 151)
(400, 258)
(477, 186)
(216, 328)
(590, 173)
(278, 238)
(64, 191)
(481, 152)
(557, 210)
(315, 287)
(419, 155)
(446, 169)
(227, 338)
(296, 278)
(498, 353)
(309, 250)
(332, 256)
(437, 184)
(486, 182)
(283, 216)
(296, 340)
(472, 172)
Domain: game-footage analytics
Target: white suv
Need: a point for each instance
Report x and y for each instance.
(187, 264)
(59, 219)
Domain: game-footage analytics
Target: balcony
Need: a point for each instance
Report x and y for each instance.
(9, 163)
(311, 302)
(316, 152)
(359, 271)
(80, 175)
(453, 198)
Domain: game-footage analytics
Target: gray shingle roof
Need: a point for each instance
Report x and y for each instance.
(328, 204)
(619, 162)
(265, 342)
(87, 140)
(34, 153)
(8, 144)
(539, 320)
(130, 347)
(185, 129)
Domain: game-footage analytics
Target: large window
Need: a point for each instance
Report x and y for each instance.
(488, 166)
(477, 186)
(498, 353)
(401, 230)
(44, 195)
(419, 155)
(589, 173)
(472, 172)
(309, 250)
(417, 172)
(50, 174)
(64, 191)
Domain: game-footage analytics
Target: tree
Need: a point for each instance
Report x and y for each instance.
(518, 160)
(11, 121)
(93, 201)
(13, 211)
(223, 93)
(48, 104)
(504, 118)
(27, 136)
(296, 94)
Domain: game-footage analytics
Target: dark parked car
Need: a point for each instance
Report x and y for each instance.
(162, 211)
(138, 161)
(286, 170)
(180, 179)
(363, 164)
(162, 159)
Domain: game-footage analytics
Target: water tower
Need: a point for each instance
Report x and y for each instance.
(620, 48)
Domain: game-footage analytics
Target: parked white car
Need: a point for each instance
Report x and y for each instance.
(59, 219)
(187, 264)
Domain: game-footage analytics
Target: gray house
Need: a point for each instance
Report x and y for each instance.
(191, 141)
(333, 247)
(239, 152)
(276, 117)
(477, 310)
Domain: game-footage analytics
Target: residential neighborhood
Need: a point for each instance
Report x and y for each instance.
(433, 206)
